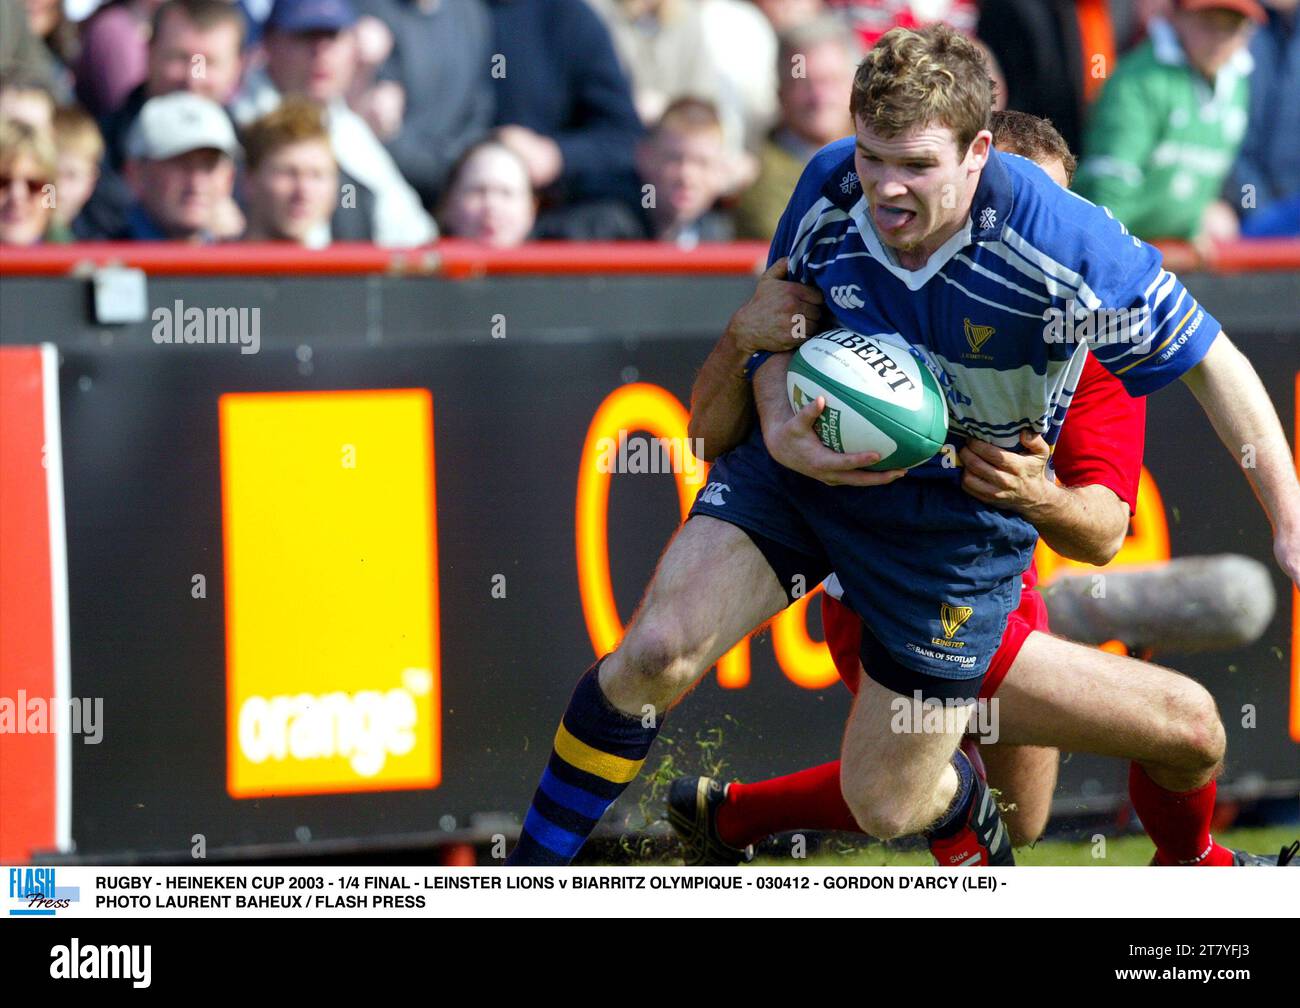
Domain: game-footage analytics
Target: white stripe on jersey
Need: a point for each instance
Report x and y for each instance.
(1048, 265)
(1054, 287)
(1173, 315)
(984, 271)
(843, 255)
(1004, 395)
(993, 304)
(809, 224)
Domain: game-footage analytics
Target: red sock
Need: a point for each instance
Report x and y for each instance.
(810, 799)
(1178, 823)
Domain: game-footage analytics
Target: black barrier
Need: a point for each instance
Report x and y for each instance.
(144, 513)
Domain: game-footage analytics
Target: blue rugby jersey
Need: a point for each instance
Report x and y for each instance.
(1004, 312)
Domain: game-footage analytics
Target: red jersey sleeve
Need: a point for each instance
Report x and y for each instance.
(1103, 437)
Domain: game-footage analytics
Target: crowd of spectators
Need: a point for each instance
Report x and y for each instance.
(501, 121)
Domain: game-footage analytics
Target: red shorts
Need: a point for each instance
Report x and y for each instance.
(844, 638)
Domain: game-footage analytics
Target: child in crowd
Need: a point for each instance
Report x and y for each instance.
(80, 149)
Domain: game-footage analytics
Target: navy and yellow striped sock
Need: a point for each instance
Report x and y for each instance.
(959, 808)
(598, 751)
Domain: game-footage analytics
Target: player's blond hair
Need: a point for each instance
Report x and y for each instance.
(931, 77)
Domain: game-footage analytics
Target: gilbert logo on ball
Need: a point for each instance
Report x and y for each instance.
(878, 398)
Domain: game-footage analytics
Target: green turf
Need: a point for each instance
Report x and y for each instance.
(1124, 850)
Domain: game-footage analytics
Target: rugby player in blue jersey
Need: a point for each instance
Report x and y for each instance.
(913, 230)
(1078, 698)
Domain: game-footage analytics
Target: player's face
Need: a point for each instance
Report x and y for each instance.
(918, 185)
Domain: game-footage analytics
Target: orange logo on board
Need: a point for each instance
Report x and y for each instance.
(331, 592)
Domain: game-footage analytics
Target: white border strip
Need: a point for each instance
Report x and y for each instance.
(58, 592)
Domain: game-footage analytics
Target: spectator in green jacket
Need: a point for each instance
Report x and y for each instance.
(1167, 126)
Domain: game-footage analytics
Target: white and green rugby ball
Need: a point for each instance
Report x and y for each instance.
(878, 398)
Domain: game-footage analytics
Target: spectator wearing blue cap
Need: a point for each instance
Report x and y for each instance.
(311, 52)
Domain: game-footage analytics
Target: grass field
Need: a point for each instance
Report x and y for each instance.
(1128, 850)
(704, 754)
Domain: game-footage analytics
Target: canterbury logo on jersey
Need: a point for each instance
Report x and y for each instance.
(846, 296)
(712, 494)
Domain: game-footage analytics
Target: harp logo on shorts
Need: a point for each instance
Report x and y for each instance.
(952, 617)
(331, 591)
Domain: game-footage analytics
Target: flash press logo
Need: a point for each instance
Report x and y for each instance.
(36, 893)
(180, 324)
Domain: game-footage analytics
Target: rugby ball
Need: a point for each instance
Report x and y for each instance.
(878, 398)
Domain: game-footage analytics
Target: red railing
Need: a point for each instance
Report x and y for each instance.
(448, 258)
(460, 259)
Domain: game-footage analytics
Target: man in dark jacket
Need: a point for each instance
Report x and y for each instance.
(562, 100)
(1269, 162)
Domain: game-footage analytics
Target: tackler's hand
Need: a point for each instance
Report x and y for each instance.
(1007, 479)
(780, 315)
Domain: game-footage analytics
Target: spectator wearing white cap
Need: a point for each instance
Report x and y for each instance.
(311, 52)
(195, 46)
(180, 165)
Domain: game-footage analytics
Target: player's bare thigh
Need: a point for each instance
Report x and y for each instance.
(712, 586)
(1080, 699)
(1025, 777)
(894, 768)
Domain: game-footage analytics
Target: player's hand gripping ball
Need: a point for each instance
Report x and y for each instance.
(879, 398)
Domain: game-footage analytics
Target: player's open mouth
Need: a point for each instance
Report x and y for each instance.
(893, 218)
